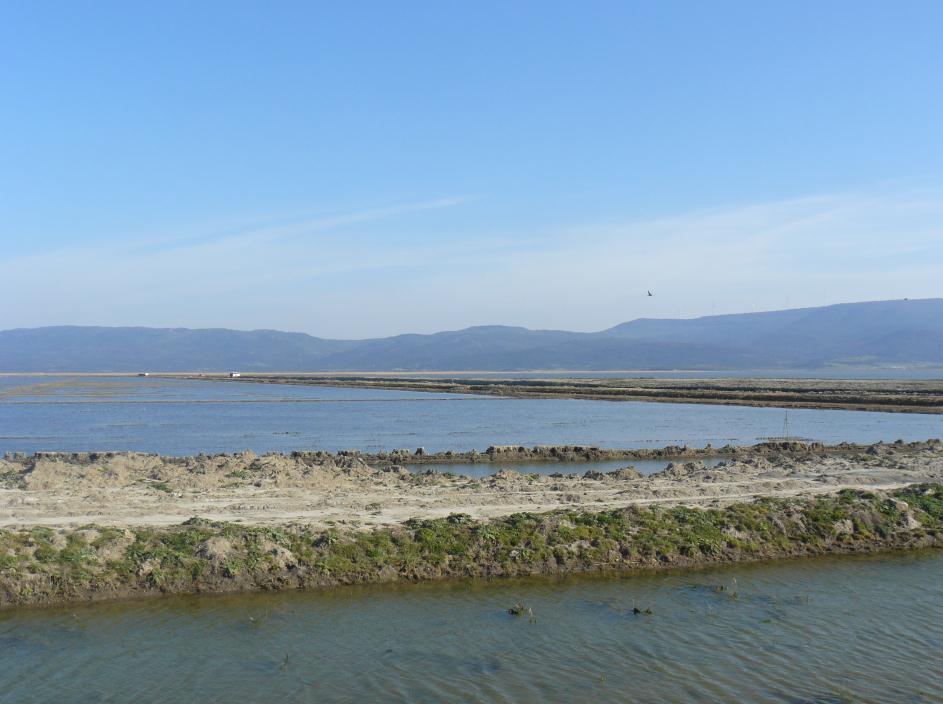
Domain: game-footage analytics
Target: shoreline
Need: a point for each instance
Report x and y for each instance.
(890, 396)
(371, 491)
(41, 568)
(78, 527)
(924, 396)
(509, 454)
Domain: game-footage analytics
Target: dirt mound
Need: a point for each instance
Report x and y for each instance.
(122, 489)
(629, 473)
(678, 470)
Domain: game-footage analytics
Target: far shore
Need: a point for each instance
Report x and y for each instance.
(882, 395)
(893, 396)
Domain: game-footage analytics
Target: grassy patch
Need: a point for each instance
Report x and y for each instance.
(11, 480)
(206, 555)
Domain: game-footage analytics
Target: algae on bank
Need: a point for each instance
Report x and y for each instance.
(41, 565)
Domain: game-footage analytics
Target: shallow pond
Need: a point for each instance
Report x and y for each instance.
(180, 417)
(824, 630)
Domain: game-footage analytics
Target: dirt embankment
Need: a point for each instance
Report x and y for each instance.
(365, 492)
(40, 565)
(520, 454)
(102, 525)
(903, 396)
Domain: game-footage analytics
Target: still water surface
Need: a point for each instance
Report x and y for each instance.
(824, 631)
(180, 417)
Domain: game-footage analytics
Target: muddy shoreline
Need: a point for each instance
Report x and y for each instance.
(893, 396)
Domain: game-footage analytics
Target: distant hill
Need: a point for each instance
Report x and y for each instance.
(92, 349)
(853, 334)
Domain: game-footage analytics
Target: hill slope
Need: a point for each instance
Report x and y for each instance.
(861, 334)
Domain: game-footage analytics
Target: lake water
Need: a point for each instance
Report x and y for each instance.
(824, 631)
(181, 417)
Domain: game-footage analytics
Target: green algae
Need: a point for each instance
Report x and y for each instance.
(43, 565)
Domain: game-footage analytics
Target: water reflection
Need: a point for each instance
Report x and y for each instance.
(180, 417)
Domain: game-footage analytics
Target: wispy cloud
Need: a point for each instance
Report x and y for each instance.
(392, 269)
(801, 252)
(273, 229)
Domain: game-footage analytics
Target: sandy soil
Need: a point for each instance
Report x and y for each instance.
(136, 489)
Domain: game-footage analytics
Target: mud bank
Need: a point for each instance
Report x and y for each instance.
(346, 490)
(85, 526)
(42, 566)
(924, 396)
(514, 454)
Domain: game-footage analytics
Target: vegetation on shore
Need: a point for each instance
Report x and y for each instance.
(41, 565)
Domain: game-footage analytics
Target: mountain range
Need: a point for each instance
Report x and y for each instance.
(871, 334)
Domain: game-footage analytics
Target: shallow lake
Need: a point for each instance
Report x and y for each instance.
(180, 417)
(825, 630)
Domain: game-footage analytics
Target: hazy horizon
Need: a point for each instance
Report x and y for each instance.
(429, 332)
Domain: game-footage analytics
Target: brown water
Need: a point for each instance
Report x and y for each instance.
(828, 630)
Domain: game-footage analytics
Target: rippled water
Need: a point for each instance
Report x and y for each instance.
(182, 417)
(829, 630)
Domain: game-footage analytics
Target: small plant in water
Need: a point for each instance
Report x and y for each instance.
(521, 609)
(730, 591)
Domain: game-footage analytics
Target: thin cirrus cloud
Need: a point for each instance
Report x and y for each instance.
(286, 227)
(387, 270)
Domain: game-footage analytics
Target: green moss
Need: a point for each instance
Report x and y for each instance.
(45, 553)
(11, 480)
(927, 499)
(105, 536)
(77, 553)
(41, 534)
(172, 558)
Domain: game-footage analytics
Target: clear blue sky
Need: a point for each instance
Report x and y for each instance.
(359, 169)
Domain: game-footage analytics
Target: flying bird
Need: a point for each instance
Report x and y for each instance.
(649, 294)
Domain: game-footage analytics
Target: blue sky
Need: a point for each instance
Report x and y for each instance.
(366, 169)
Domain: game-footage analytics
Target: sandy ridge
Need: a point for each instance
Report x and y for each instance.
(346, 490)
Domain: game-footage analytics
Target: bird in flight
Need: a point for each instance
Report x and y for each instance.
(650, 294)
